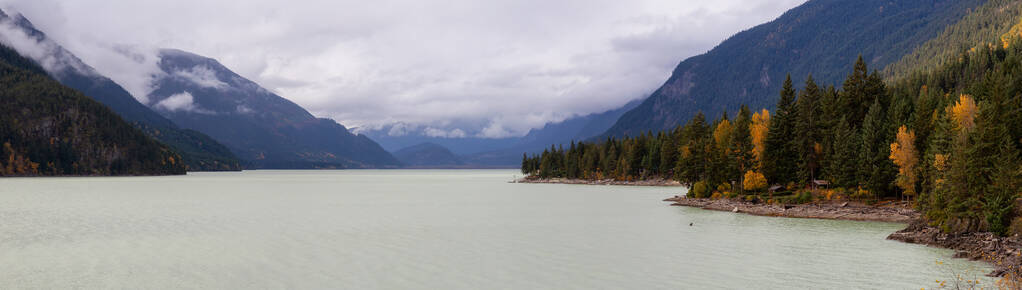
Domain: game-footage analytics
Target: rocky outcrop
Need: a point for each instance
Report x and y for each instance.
(1004, 253)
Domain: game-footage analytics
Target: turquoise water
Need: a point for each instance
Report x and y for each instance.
(424, 229)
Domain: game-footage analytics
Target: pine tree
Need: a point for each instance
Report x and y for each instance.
(668, 156)
(1000, 194)
(807, 132)
(741, 145)
(843, 165)
(876, 171)
(781, 160)
(526, 166)
(855, 98)
(692, 157)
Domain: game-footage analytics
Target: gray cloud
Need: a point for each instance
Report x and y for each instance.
(44, 51)
(457, 68)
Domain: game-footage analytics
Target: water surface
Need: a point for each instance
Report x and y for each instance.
(424, 229)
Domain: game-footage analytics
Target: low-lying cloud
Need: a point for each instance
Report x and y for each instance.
(183, 101)
(43, 51)
(203, 76)
(463, 67)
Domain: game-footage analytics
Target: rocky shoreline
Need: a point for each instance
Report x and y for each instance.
(648, 182)
(895, 213)
(1004, 253)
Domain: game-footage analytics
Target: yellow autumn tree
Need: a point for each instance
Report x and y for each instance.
(758, 130)
(722, 134)
(754, 181)
(1011, 35)
(963, 113)
(903, 153)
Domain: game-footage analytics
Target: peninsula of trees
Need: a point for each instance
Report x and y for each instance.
(948, 139)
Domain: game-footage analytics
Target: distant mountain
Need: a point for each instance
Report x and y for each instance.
(428, 155)
(577, 129)
(580, 128)
(49, 129)
(458, 145)
(259, 126)
(823, 37)
(200, 152)
(504, 152)
(485, 150)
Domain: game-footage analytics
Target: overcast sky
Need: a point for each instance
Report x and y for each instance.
(492, 68)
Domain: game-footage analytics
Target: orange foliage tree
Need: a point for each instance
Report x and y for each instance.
(759, 128)
(722, 134)
(754, 181)
(903, 153)
(963, 113)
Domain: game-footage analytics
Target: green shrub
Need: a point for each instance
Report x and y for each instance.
(782, 193)
(724, 187)
(699, 190)
(998, 212)
(730, 194)
(804, 197)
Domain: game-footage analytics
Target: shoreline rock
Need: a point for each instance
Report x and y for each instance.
(894, 213)
(649, 182)
(1004, 253)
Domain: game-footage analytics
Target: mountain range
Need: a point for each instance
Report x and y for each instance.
(259, 126)
(207, 113)
(503, 152)
(199, 151)
(208, 117)
(822, 37)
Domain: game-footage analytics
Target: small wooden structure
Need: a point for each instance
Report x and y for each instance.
(774, 188)
(819, 183)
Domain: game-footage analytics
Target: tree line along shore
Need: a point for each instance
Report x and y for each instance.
(945, 141)
(948, 140)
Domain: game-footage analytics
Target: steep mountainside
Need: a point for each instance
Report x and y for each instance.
(259, 126)
(49, 129)
(200, 152)
(822, 37)
(990, 24)
(427, 155)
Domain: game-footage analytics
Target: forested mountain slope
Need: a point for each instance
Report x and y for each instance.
(820, 37)
(49, 129)
(262, 128)
(199, 152)
(990, 24)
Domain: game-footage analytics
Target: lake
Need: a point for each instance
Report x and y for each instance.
(424, 229)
